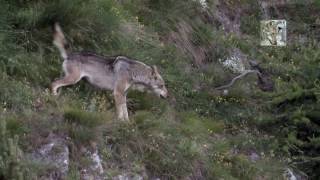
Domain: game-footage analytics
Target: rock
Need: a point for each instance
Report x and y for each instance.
(94, 171)
(254, 157)
(128, 177)
(204, 4)
(227, 16)
(183, 41)
(53, 154)
(97, 166)
(290, 175)
(236, 62)
(129, 174)
(225, 92)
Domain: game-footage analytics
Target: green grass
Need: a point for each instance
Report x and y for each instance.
(197, 131)
(83, 118)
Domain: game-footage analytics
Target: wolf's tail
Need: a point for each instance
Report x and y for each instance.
(59, 40)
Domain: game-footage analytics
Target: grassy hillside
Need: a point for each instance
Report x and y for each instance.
(200, 132)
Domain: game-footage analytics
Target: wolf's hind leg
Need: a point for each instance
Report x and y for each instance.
(69, 79)
(72, 76)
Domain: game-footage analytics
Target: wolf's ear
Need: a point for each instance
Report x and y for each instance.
(154, 69)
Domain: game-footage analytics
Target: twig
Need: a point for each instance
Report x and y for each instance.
(238, 77)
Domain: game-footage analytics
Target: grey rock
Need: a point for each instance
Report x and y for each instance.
(95, 170)
(128, 177)
(254, 157)
(54, 155)
(237, 61)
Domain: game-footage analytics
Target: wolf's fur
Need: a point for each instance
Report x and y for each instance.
(117, 73)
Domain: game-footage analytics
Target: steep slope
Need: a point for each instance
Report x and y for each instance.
(242, 132)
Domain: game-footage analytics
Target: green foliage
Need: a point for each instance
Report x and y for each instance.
(83, 126)
(295, 105)
(242, 168)
(202, 35)
(14, 126)
(163, 15)
(15, 95)
(164, 151)
(12, 161)
(192, 124)
(73, 173)
(83, 118)
(250, 24)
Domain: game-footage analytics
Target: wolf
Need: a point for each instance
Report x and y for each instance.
(114, 73)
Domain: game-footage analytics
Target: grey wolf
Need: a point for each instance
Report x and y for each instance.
(115, 73)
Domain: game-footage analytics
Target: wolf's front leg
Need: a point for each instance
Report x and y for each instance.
(121, 106)
(120, 91)
(125, 111)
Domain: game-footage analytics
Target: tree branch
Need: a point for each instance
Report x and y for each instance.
(238, 77)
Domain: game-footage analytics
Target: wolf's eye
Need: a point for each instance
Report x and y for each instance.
(161, 86)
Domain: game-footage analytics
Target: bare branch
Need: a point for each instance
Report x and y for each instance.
(238, 77)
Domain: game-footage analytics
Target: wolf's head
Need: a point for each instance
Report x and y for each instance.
(157, 83)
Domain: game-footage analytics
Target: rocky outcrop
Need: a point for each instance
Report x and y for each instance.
(237, 61)
(228, 16)
(125, 176)
(183, 41)
(54, 154)
(94, 170)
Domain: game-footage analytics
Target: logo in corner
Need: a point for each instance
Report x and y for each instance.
(273, 33)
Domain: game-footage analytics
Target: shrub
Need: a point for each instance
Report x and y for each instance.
(13, 164)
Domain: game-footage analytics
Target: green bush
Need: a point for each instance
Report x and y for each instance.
(15, 95)
(295, 105)
(13, 164)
